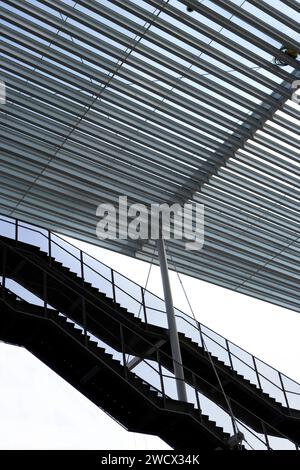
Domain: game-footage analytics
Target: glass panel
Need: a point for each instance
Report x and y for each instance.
(191, 395)
(216, 345)
(129, 295)
(7, 227)
(243, 363)
(154, 302)
(278, 443)
(268, 372)
(33, 236)
(188, 326)
(214, 336)
(253, 440)
(216, 350)
(156, 317)
(148, 371)
(215, 413)
(97, 274)
(169, 384)
(133, 306)
(272, 390)
(155, 309)
(99, 282)
(66, 254)
(23, 293)
(293, 400)
(270, 381)
(292, 389)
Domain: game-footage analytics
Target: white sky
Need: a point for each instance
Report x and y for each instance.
(39, 410)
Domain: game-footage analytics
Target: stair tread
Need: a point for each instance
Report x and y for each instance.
(94, 344)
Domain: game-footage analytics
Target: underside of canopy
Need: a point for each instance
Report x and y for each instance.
(143, 99)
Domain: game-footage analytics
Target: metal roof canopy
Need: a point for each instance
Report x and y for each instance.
(140, 98)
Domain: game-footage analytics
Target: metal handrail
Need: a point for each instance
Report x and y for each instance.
(185, 317)
(162, 392)
(231, 354)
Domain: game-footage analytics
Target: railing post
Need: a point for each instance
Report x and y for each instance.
(123, 351)
(49, 248)
(45, 294)
(4, 261)
(81, 266)
(161, 377)
(144, 305)
(266, 435)
(257, 374)
(16, 230)
(201, 334)
(113, 286)
(284, 391)
(83, 305)
(231, 416)
(229, 353)
(84, 322)
(197, 394)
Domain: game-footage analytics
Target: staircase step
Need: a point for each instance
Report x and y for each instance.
(232, 376)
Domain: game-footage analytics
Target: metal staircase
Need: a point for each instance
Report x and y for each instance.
(39, 262)
(94, 372)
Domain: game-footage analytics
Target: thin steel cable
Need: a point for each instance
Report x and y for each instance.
(234, 422)
(144, 288)
(209, 355)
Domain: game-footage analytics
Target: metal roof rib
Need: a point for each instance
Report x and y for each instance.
(142, 99)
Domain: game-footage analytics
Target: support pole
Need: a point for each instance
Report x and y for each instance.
(174, 340)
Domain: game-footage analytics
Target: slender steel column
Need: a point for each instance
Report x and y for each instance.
(174, 340)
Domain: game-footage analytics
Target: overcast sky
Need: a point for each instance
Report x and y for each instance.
(39, 410)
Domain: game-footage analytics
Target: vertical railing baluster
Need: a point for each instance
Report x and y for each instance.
(229, 354)
(231, 416)
(83, 304)
(16, 230)
(257, 374)
(123, 351)
(45, 295)
(284, 391)
(84, 322)
(144, 305)
(201, 334)
(49, 247)
(4, 261)
(161, 377)
(266, 435)
(113, 286)
(81, 266)
(196, 394)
